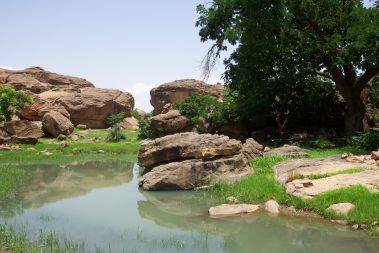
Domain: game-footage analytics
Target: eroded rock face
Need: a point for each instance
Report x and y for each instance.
(186, 146)
(188, 160)
(37, 80)
(91, 106)
(178, 90)
(287, 151)
(56, 124)
(23, 129)
(130, 123)
(327, 173)
(171, 122)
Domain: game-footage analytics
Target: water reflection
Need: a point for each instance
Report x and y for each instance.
(46, 183)
(99, 202)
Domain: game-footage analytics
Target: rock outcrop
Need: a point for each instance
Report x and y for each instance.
(341, 208)
(55, 124)
(171, 122)
(310, 177)
(188, 160)
(20, 131)
(177, 91)
(75, 98)
(91, 106)
(287, 151)
(37, 80)
(130, 123)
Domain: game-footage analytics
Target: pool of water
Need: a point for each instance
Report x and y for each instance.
(100, 204)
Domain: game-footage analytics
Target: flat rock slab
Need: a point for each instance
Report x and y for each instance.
(341, 208)
(230, 210)
(287, 151)
(307, 189)
(286, 171)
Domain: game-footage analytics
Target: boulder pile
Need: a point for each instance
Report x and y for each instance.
(66, 100)
(189, 160)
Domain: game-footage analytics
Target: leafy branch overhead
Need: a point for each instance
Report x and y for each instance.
(289, 42)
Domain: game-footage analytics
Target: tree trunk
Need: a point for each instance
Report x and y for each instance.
(359, 114)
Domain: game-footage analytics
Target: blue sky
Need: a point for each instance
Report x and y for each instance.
(131, 45)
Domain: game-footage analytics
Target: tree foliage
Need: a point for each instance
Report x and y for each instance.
(284, 46)
(11, 100)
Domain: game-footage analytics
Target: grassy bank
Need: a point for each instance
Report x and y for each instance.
(262, 186)
(91, 143)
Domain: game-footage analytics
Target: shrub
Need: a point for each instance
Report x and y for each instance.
(209, 108)
(368, 140)
(11, 99)
(146, 128)
(116, 133)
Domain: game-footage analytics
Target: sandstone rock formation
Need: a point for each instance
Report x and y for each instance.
(91, 106)
(272, 206)
(55, 124)
(171, 122)
(341, 208)
(326, 174)
(231, 209)
(178, 90)
(188, 160)
(287, 151)
(73, 97)
(130, 123)
(37, 80)
(20, 131)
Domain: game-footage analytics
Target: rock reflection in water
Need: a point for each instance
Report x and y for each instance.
(47, 183)
(256, 232)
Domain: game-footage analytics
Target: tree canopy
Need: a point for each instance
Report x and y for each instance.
(286, 46)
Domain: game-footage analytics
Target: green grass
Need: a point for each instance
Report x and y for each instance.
(320, 153)
(49, 242)
(324, 175)
(91, 144)
(262, 186)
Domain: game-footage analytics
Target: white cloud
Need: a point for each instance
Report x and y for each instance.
(141, 94)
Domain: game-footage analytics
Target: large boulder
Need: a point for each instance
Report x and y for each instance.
(55, 124)
(91, 106)
(37, 80)
(171, 122)
(40, 107)
(130, 123)
(178, 90)
(23, 129)
(188, 160)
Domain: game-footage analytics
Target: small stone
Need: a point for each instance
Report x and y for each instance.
(286, 145)
(232, 200)
(61, 137)
(344, 155)
(235, 209)
(375, 155)
(30, 149)
(63, 144)
(101, 151)
(340, 222)
(355, 226)
(266, 149)
(74, 137)
(363, 226)
(375, 223)
(341, 208)
(81, 126)
(292, 209)
(272, 206)
(45, 153)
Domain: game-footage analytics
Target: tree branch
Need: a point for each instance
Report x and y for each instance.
(365, 78)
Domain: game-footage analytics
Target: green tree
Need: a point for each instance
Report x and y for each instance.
(285, 45)
(11, 100)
